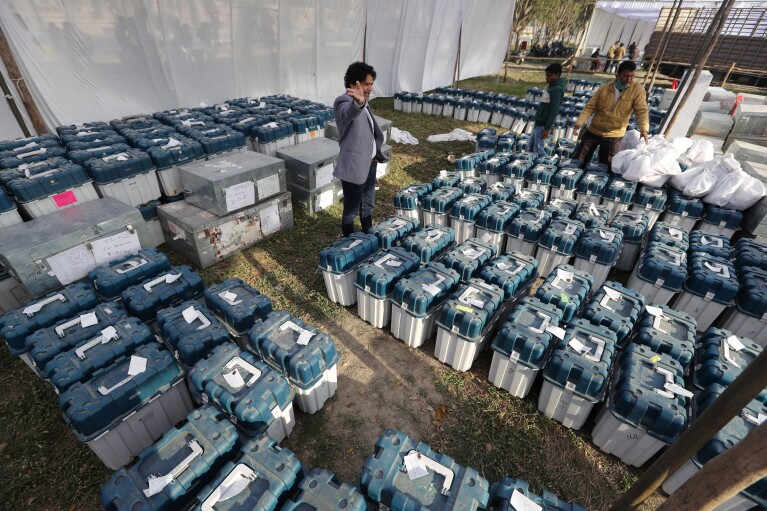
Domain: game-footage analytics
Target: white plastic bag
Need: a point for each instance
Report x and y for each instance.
(630, 140)
(638, 167)
(698, 180)
(403, 137)
(700, 151)
(654, 164)
(682, 144)
(726, 188)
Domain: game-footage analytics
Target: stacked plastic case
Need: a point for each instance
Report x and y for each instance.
(128, 175)
(529, 199)
(391, 231)
(646, 408)
(597, 251)
(306, 356)
(618, 196)
(516, 172)
(591, 187)
(261, 476)
(707, 243)
(491, 170)
(749, 316)
(557, 244)
(617, 308)
(634, 227)
(720, 357)
(190, 331)
(170, 288)
(660, 273)
(446, 179)
(238, 306)
(539, 179)
(525, 230)
(523, 345)
(493, 222)
(436, 206)
(471, 185)
(167, 474)
(566, 288)
(514, 273)
(48, 191)
(111, 411)
(464, 213)
(501, 192)
(667, 332)
(397, 473)
(169, 152)
(407, 202)
(339, 263)
(720, 221)
(561, 208)
(576, 375)
(417, 300)
(429, 243)
(711, 287)
(112, 279)
(465, 323)
(466, 164)
(650, 201)
(375, 282)
(468, 257)
(320, 490)
(682, 212)
(591, 215)
(665, 234)
(747, 252)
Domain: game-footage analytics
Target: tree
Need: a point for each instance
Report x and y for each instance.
(560, 20)
(523, 15)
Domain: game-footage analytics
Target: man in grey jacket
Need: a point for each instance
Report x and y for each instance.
(360, 139)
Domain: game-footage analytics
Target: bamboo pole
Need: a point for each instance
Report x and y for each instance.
(665, 45)
(660, 42)
(26, 96)
(727, 76)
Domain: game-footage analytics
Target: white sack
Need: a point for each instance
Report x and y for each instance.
(457, 134)
(630, 140)
(699, 152)
(403, 137)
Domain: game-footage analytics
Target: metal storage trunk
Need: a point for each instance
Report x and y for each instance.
(12, 295)
(404, 475)
(501, 192)
(232, 182)
(682, 212)
(561, 208)
(650, 201)
(149, 214)
(436, 205)
(539, 179)
(429, 243)
(319, 199)
(511, 494)
(320, 490)
(50, 191)
(591, 215)
(720, 357)
(52, 251)
(618, 196)
(238, 306)
(338, 264)
(261, 477)
(567, 288)
(712, 244)
(665, 234)
(597, 252)
(575, 377)
(416, 301)
(711, 286)
(145, 300)
(465, 323)
(468, 257)
(529, 199)
(514, 273)
(464, 213)
(78, 362)
(660, 273)
(525, 230)
(634, 227)
(615, 307)
(645, 411)
(591, 187)
(310, 165)
(205, 239)
(111, 412)
(115, 277)
(166, 475)
(445, 179)
(46, 343)
(392, 230)
(668, 332)
(306, 356)
(375, 282)
(190, 331)
(255, 397)
(515, 172)
(493, 222)
(564, 182)
(748, 252)
(749, 316)
(557, 244)
(720, 221)
(407, 202)
(523, 345)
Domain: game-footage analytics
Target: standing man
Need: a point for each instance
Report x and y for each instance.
(360, 139)
(548, 108)
(610, 56)
(611, 107)
(633, 52)
(619, 53)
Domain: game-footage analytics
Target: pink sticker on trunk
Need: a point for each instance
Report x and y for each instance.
(64, 198)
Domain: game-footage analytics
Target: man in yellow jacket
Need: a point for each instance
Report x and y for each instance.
(611, 108)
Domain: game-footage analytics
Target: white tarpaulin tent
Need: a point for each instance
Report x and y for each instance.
(86, 60)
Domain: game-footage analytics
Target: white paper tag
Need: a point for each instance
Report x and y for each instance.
(304, 338)
(240, 196)
(234, 379)
(565, 275)
(654, 311)
(443, 173)
(190, 314)
(503, 266)
(578, 346)
(229, 296)
(415, 466)
(137, 365)
(432, 289)
(324, 174)
(268, 186)
(677, 389)
(735, 343)
(172, 142)
(593, 209)
(556, 331)
(270, 220)
(108, 334)
(570, 229)
(486, 237)
(612, 294)
(323, 201)
(521, 503)
(71, 264)
(158, 484)
(89, 319)
(106, 250)
(394, 263)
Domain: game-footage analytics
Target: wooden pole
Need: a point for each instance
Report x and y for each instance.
(457, 70)
(665, 44)
(508, 51)
(570, 69)
(724, 476)
(15, 75)
(727, 76)
(731, 402)
(660, 42)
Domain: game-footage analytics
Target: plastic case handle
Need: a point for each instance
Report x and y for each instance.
(130, 265)
(108, 334)
(61, 330)
(118, 157)
(235, 483)
(468, 297)
(546, 321)
(434, 235)
(157, 483)
(227, 297)
(718, 268)
(33, 309)
(168, 278)
(42, 150)
(238, 362)
(29, 175)
(717, 242)
(437, 468)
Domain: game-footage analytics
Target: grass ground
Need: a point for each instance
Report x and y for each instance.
(382, 383)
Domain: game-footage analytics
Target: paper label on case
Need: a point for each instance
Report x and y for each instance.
(270, 220)
(72, 264)
(137, 365)
(415, 466)
(89, 319)
(520, 502)
(324, 174)
(64, 198)
(110, 248)
(240, 196)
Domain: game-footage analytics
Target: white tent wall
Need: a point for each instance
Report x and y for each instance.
(9, 126)
(87, 60)
(607, 27)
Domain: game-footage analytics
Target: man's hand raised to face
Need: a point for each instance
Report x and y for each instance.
(356, 92)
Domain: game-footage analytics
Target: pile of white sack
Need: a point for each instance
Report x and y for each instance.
(717, 180)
